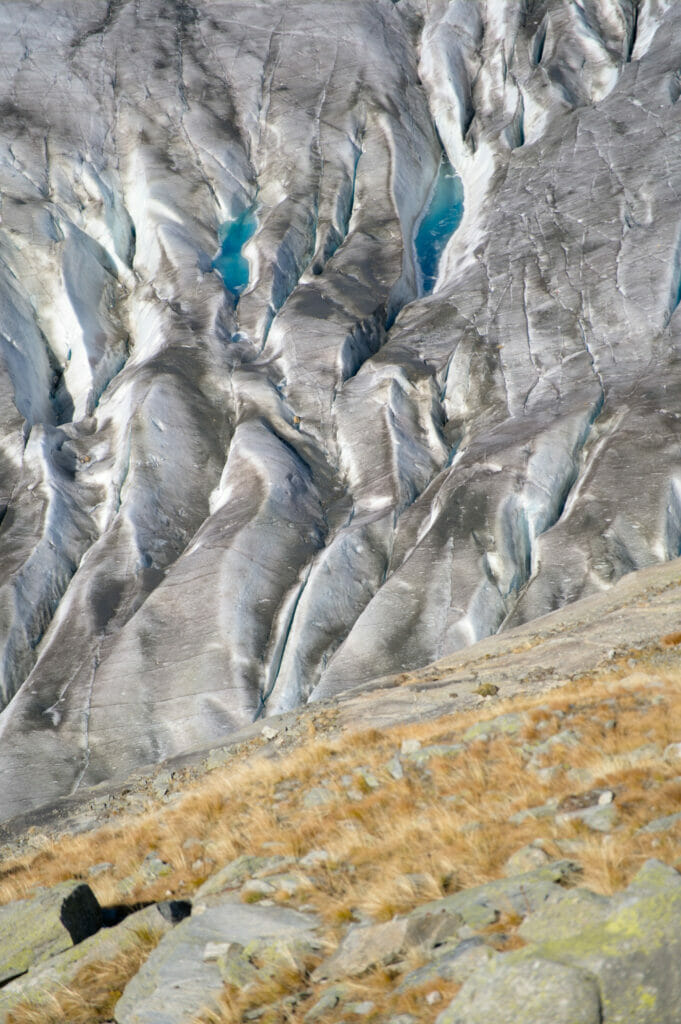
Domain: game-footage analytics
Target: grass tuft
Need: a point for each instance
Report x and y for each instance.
(94, 992)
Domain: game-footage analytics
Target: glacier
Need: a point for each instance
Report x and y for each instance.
(335, 335)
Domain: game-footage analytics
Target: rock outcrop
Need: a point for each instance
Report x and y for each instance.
(588, 959)
(622, 967)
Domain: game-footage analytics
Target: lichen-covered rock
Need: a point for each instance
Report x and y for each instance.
(263, 959)
(653, 879)
(288, 884)
(634, 954)
(47, 923)
(423, 754)
(256, 889)
(508, 724)
(328, 1001)
(454, 964)
(598, 817)
(533, 992)
(577, 910)
(521, 894)
(234, 874)
(39, 984)
(154, 867)
(526, 859)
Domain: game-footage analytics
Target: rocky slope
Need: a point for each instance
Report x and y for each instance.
(285, 404)
(516, 861)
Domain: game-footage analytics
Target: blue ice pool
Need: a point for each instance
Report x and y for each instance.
(439, 223)
(230, 264)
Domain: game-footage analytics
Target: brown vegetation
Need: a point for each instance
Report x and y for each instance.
(444, 826)
(95, 990)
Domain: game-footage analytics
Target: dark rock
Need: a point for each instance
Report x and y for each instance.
(174, 911)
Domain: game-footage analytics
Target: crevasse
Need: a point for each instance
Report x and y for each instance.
(230, 264)
(439, 223)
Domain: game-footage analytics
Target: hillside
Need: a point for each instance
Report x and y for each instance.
(411, 856)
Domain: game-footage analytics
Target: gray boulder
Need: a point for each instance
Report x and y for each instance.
(526, 859)
(264, 959)
(454, 964)
(664, 824)
(234, 874)
(610, 962)
(634, 954)
(533, 992)
(366, 946)
(521, 894)
(577, 910)
(183, 974)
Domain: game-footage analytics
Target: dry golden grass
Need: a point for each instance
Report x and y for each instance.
(671, 639)
(234, 1002)
(442, 827)
(94, 992)
(287, 998)
(403, 827)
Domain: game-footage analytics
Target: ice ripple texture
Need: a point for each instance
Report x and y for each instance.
(269, 425)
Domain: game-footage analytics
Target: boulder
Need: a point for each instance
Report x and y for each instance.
(421, 756)
(653, 879)
(177, 982)
(47, 923)
(526, 859)
(633, 954)
(521, 894)
(577, 910)
(665, 824)
(328, 1001)
(365, 946)
(318, 796)
(234, 874)
(598, 817)
(454, 964)
(43, 980)
(503, 725)
(532, 992)
(265, 959)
